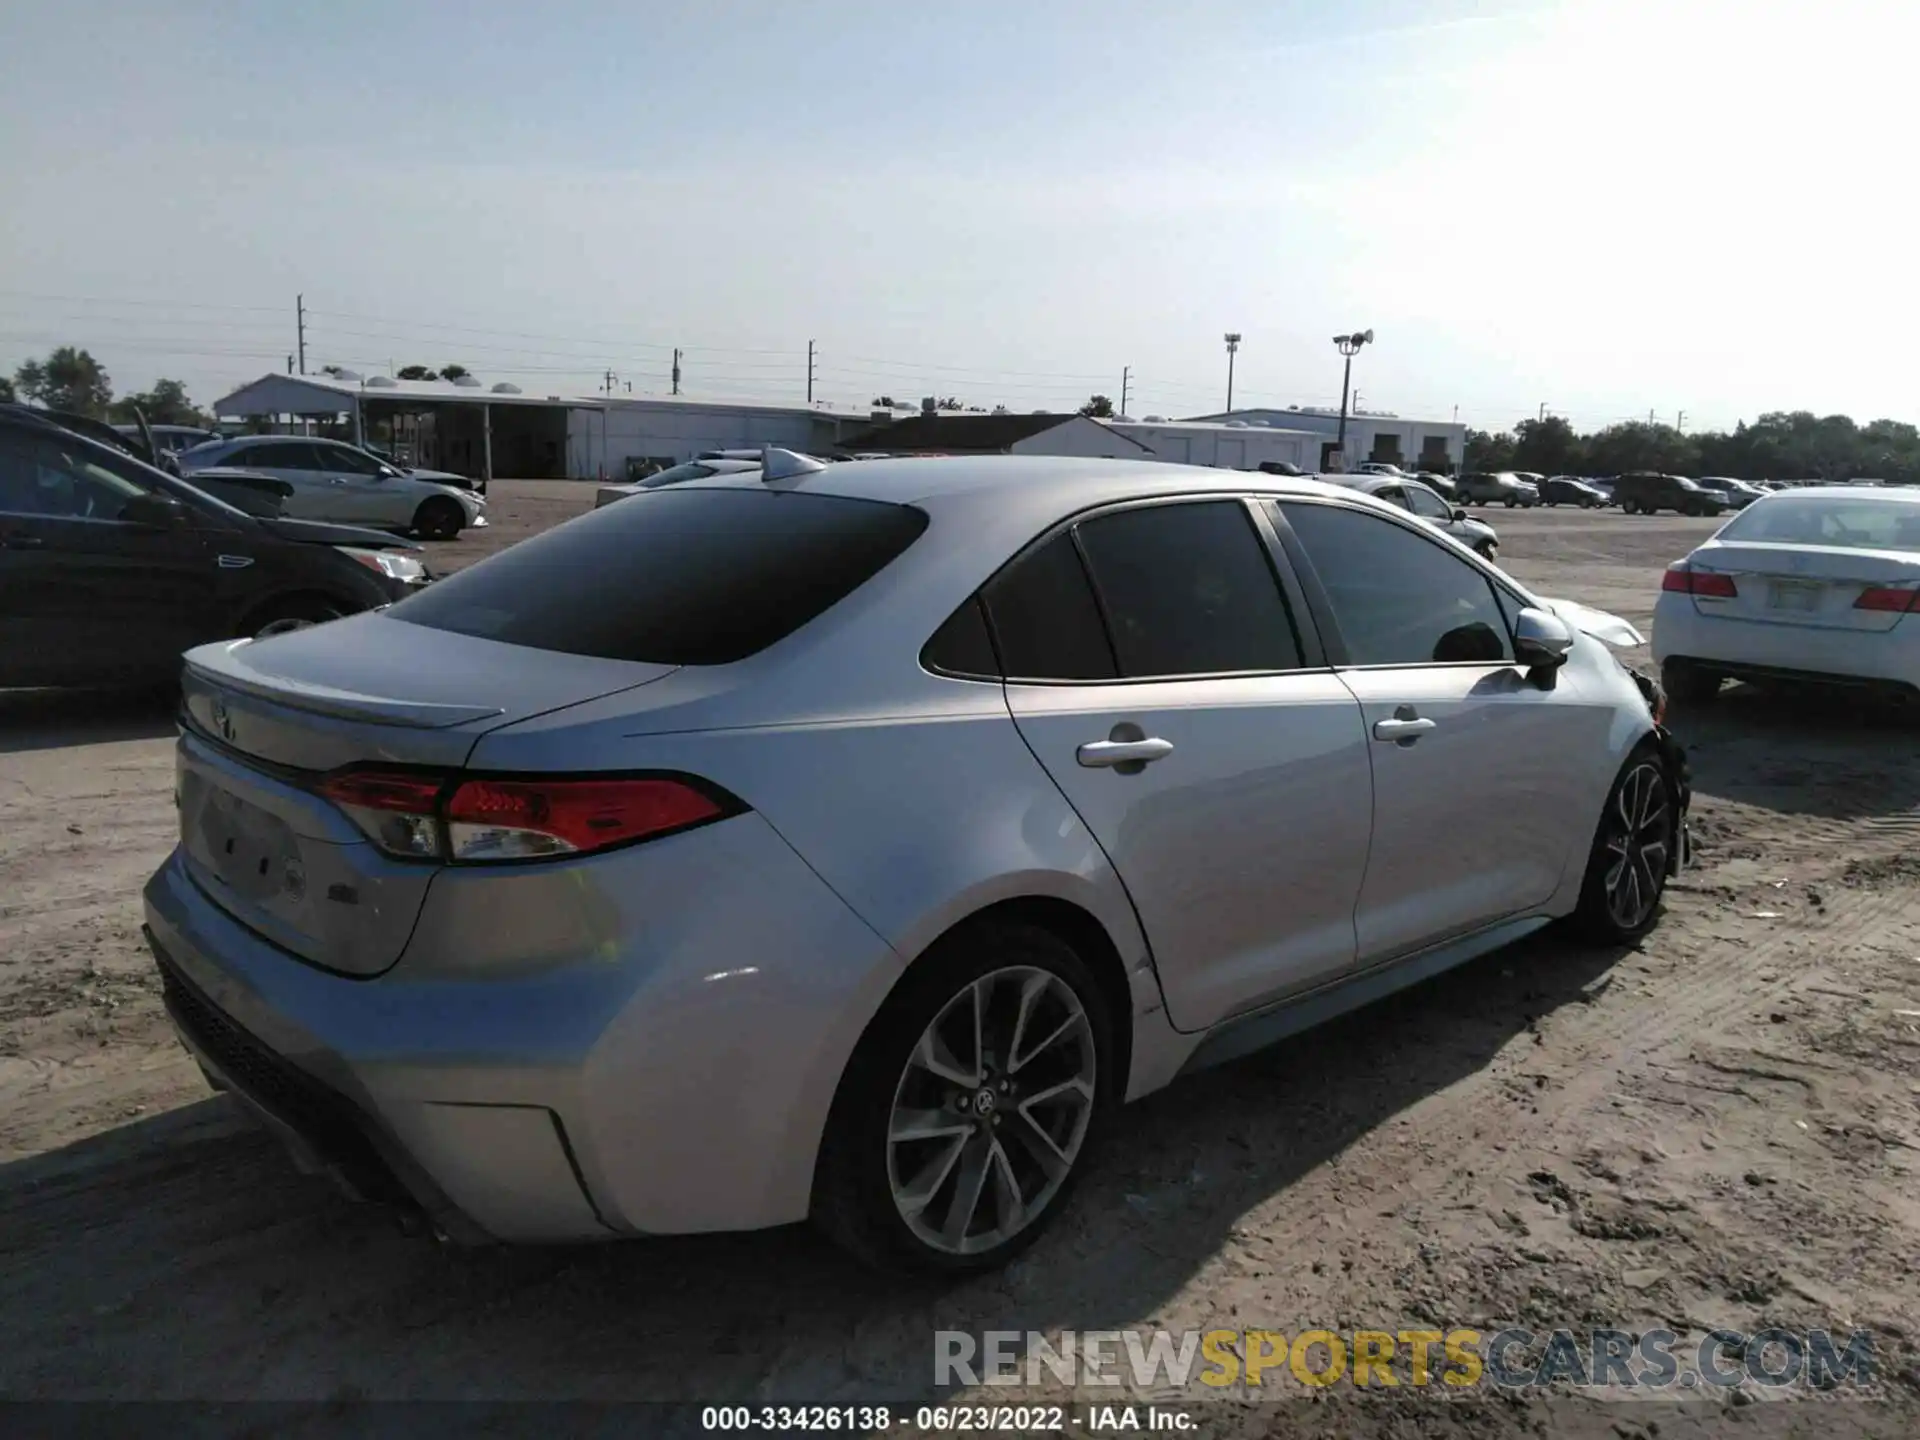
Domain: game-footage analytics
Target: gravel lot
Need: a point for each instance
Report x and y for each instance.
(1717, 1129)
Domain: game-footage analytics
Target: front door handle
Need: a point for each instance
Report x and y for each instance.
(1104, 754)
(1402, 729)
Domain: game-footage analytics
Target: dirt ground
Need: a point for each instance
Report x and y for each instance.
(1718, 1129)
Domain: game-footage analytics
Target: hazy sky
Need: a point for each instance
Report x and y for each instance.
(1608, 207)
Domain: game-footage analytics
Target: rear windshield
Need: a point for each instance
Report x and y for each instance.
(677, 577)
(1840, 523)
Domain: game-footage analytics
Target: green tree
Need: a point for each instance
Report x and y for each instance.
(68, 379)
(416, 372)
(454, 372)
(6, 390)
(1547, 446)
(165, 404)
(1489, 452)
(1099, 407)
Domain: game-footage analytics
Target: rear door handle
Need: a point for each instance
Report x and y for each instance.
(1402, 729)
(1104, 754)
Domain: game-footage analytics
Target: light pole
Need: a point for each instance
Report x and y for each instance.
(1349, 346)
(1233, 348)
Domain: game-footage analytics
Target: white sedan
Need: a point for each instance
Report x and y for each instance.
(1802, 585)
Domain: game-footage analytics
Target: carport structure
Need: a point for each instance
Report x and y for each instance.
(464, 426)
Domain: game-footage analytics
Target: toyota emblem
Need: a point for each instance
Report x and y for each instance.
(222, 721)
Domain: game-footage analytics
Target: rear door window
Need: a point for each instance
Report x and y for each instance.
(676, 577)
(1189, 590)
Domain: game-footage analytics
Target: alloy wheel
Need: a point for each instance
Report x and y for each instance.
(1638, 839)
(991, 1110)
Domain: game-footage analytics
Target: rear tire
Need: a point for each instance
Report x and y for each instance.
(1627, 866)
(901, 1204)
(1488, 550)
(440, 518)
(1689, 684)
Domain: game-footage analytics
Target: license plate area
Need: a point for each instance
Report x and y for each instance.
(1800, 596)
(243, 847)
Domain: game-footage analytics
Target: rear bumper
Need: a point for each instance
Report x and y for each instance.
(541, 1065)
(1755, 650)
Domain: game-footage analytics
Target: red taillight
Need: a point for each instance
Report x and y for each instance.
(516, 818)
(522, 819)
(1887, 597)
(1681, 578)
(396, 808)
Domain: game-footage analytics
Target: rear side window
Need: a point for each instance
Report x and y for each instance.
(677, 577)
(1188, 590)
(962, 645)
(1045, 620)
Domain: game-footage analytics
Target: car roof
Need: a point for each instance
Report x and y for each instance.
(1009, 495)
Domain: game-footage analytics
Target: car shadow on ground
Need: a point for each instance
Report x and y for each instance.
(187, 1250)
(1830, 755)
(57, 719)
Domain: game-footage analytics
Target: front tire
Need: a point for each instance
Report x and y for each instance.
(1488, 550)
(970, 1104)
(440, 518)
(1632, 847)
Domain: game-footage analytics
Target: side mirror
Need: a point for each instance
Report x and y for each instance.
(154, 512)
(1458, 513)
(1541, 640)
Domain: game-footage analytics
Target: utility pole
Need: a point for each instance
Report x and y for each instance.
(1233, 349)
(1126, 374)
(1649, 417)
(300, 328)
(1543, 410)
(676, 372)
(809, 372)
(1680, 422)
(289, 364)
(606, 383)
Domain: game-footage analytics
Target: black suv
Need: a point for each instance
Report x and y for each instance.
(1646, 493)
(110, 568)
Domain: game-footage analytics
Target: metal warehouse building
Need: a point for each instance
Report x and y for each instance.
(481, 431)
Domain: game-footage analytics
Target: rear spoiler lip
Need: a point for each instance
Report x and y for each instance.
(220, 665)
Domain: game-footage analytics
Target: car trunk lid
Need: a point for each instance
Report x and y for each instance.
(1811, 586)
(264, 720)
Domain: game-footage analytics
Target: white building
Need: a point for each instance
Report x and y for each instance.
(1396, 439)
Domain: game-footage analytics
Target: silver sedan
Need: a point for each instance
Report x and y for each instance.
(851, 842)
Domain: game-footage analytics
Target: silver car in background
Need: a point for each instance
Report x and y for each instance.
(335, 481)
(850, 841)
(1422, 500)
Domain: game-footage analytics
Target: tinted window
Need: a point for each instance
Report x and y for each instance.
(1427, 504)
(44, 475)
(1398, 598)
(682, 577)
(1045, 622)
(345, 459)
(275, 455)
(1188, 590)
(961, 646)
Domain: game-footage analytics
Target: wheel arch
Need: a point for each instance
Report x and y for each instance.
(260, 610)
